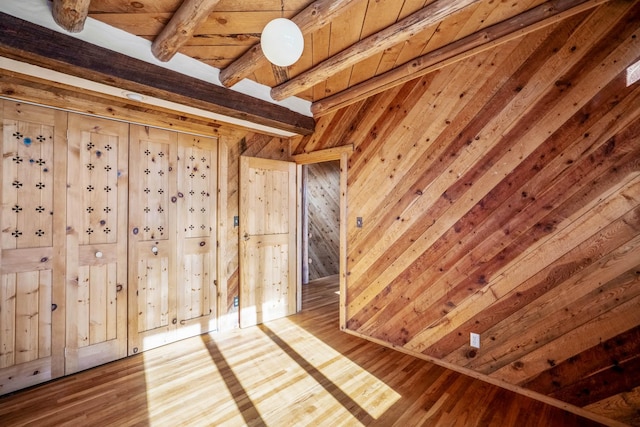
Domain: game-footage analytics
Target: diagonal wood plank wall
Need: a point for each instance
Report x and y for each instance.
(501, 196)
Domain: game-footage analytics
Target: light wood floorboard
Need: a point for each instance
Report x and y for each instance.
(297, 371)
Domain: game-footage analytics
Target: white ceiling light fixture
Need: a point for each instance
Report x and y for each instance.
(282, 41)
(133, 96)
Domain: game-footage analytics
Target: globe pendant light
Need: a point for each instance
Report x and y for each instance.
(282, 42)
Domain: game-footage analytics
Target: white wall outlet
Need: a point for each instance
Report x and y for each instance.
(474, 340)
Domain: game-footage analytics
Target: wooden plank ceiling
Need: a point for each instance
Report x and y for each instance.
(352, 47)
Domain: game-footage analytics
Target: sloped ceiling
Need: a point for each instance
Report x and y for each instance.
(353, 48)
(347, 43)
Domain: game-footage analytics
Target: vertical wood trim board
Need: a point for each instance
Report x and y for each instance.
(299, 259)
(224, 322)
(344, 260)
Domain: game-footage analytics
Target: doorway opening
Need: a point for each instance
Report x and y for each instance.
(320, 225)
(320, 220)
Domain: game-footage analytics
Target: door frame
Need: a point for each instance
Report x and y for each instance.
(340, 153)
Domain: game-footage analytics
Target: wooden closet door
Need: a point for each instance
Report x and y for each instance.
(196, 248)
(152, 238)
(96, 242)
(172, 240)
(32, 247)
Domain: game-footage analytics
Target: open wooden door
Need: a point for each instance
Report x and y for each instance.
(268, 250)
(96, 242)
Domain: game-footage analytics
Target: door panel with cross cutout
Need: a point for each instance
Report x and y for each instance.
(196, 250)
(96, 242)
(32, 245)
(172, 243)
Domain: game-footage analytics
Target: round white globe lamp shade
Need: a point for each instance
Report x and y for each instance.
(282, 42)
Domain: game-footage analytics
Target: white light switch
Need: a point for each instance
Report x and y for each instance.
(475, 340)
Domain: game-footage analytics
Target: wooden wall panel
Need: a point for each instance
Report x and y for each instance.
(501, 196)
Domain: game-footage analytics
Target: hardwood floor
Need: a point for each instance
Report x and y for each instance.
(295, 371)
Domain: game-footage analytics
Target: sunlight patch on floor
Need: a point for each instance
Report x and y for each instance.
(166, 376)
(366, 390)
(274, 374)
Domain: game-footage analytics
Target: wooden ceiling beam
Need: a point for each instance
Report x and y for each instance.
(28, 42)
(534, 19)
(312, 18)
(369, 46)
(71, 14)
(181, 27)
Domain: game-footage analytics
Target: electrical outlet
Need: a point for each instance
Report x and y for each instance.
(236, 302)
(474, 340)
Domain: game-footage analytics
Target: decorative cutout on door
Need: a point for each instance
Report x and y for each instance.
(27, 149)
(155, 183)
(99, 180)
(197, 203)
